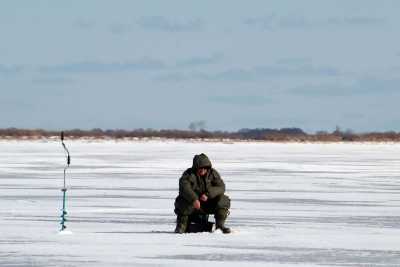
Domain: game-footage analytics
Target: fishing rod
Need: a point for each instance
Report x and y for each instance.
(64, 189)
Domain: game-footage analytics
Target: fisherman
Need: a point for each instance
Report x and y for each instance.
(201, 191)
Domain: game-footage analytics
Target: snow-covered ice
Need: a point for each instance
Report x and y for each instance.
(292, 204)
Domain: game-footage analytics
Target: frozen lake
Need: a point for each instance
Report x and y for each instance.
(292, 204)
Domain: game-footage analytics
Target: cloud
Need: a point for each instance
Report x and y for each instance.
(93, 66)
(52, 81)
(14, 69)
(241, 100)
(172, 77)
(298, 22)
(266, 22)
(114, 28)
(297, 70)
(253, 74)
(120, 28)
(354, 21)
(294, 61)
(200, 61)
(229, 75)
(294, 22)
(355, 115)
(378, 86)
(364, 86)
(262, 72)
(163, 24)
(320, 90)
(84, 24)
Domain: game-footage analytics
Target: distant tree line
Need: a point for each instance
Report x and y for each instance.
(262, 134)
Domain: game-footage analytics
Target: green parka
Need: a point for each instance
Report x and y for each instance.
(192, 186)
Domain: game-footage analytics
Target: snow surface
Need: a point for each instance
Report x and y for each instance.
(292, 204)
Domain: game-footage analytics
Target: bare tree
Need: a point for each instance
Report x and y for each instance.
(197, 125)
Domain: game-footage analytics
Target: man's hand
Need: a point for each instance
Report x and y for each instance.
(203, 197)
(196, 204)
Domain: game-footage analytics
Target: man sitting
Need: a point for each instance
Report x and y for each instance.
(201, 190)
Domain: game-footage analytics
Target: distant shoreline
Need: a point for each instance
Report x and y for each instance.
(188, 140)
(284, 135)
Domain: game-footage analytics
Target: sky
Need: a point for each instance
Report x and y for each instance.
(230, 65)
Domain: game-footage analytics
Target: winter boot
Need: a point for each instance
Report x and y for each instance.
(181, 224)
(220, 217)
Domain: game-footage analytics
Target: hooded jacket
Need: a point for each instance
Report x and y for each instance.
(192, 186)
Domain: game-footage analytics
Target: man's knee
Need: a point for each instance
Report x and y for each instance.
(183, 207)
(223, 202)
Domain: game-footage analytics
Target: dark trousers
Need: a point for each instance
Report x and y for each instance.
(211, 206)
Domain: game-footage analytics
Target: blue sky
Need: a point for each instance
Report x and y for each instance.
(231, 64)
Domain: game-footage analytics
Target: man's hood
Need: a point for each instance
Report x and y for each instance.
(201, 161)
